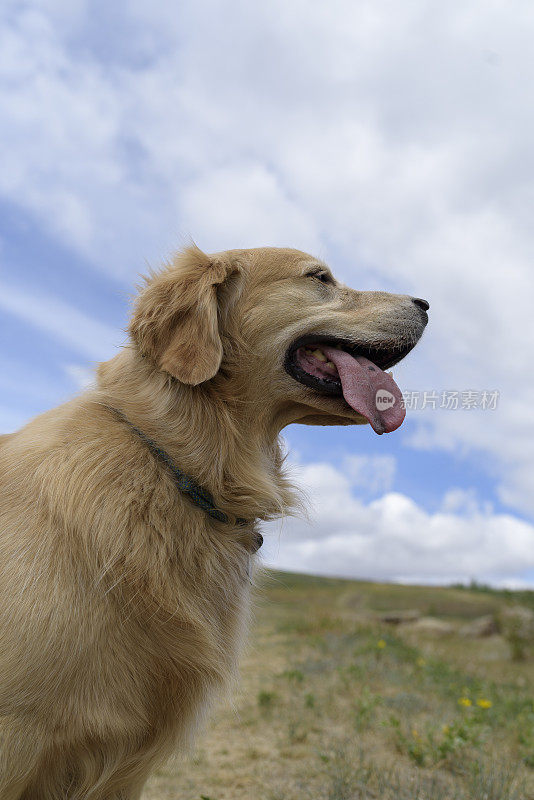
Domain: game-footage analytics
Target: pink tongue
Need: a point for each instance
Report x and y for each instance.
(368, 390)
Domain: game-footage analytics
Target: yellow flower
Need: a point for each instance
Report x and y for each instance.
(381, 644)
(482, 703)
(420, 662)
(445, 729)
(415, 733)
(465, 702)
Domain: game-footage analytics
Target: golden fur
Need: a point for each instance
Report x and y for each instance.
(122, 605)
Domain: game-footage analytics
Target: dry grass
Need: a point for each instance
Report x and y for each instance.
(334, 705)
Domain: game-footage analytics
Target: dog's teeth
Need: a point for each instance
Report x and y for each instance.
(319, 354)
(330, 364)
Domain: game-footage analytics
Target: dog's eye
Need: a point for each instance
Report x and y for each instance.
(324, 277)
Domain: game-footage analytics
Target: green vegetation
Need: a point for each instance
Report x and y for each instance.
(336, 704)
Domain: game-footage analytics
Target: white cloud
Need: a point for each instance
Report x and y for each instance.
(228, 204)
(373, 473)
(82, 376)
(392, 538)
(61, 321)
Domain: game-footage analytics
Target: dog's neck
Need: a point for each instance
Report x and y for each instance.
(211, 432)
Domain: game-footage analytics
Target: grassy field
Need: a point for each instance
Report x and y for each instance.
(336, 704)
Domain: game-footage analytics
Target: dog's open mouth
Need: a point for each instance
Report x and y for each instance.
(339, 368)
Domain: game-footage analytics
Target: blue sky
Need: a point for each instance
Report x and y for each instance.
(395, 143)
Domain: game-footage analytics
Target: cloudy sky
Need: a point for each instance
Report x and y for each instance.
(394, 140)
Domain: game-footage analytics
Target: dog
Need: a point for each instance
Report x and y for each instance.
(128, 515)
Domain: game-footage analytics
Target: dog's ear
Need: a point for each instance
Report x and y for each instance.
(177, 316)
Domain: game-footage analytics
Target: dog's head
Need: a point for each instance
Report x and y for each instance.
(278, 326)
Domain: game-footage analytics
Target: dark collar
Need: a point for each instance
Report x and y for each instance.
(186, 485)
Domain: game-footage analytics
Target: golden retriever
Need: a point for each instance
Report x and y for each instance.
(122, 600)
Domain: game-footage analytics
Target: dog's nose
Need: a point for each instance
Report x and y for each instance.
(421, 303)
